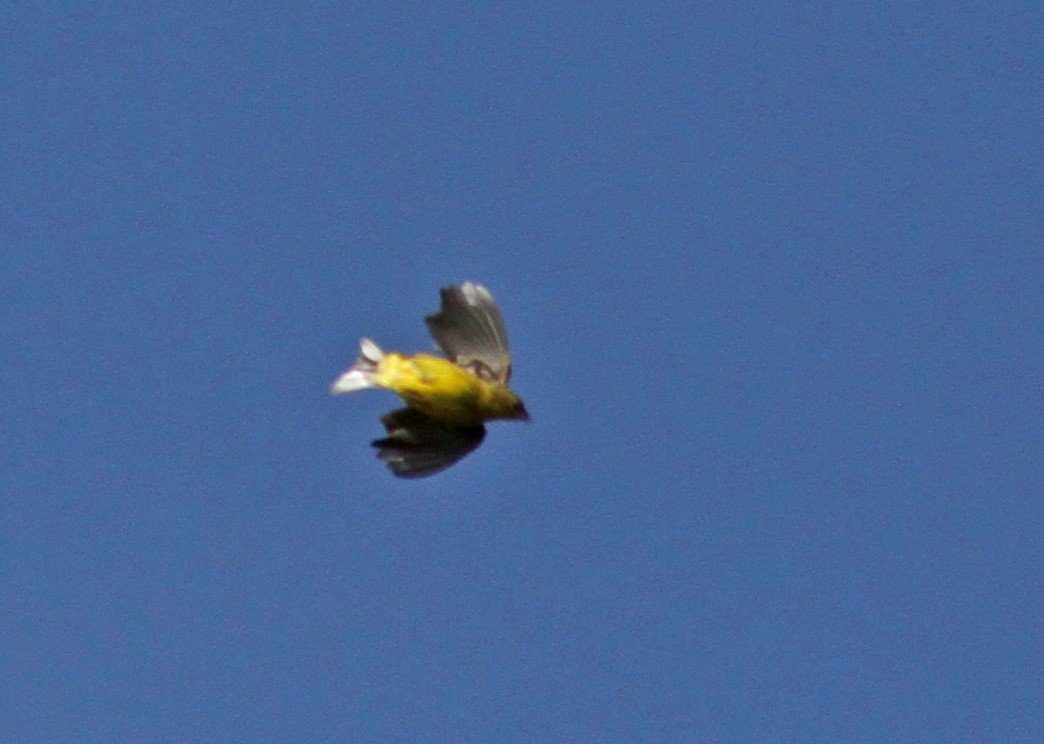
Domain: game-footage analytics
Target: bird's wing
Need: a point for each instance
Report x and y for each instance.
(418, 445)
(470, 331)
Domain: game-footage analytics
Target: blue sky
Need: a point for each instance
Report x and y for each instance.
(772, 275)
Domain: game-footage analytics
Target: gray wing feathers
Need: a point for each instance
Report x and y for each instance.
(470, 331)
(418, 446)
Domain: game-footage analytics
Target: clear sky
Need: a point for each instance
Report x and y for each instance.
(772, 275)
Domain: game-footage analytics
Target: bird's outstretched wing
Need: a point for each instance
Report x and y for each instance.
(418, 445)
(470, 331)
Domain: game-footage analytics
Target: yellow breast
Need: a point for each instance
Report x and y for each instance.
(438, 387)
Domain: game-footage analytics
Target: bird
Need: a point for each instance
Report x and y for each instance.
(448, 398)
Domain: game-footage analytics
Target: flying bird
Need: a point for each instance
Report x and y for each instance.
(448, 399)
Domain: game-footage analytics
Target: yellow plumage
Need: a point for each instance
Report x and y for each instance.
(448, 399)
(444, 390)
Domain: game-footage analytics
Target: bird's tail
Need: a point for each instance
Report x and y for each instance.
(360, 375)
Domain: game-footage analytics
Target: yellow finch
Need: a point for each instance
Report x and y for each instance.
(449, 398)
